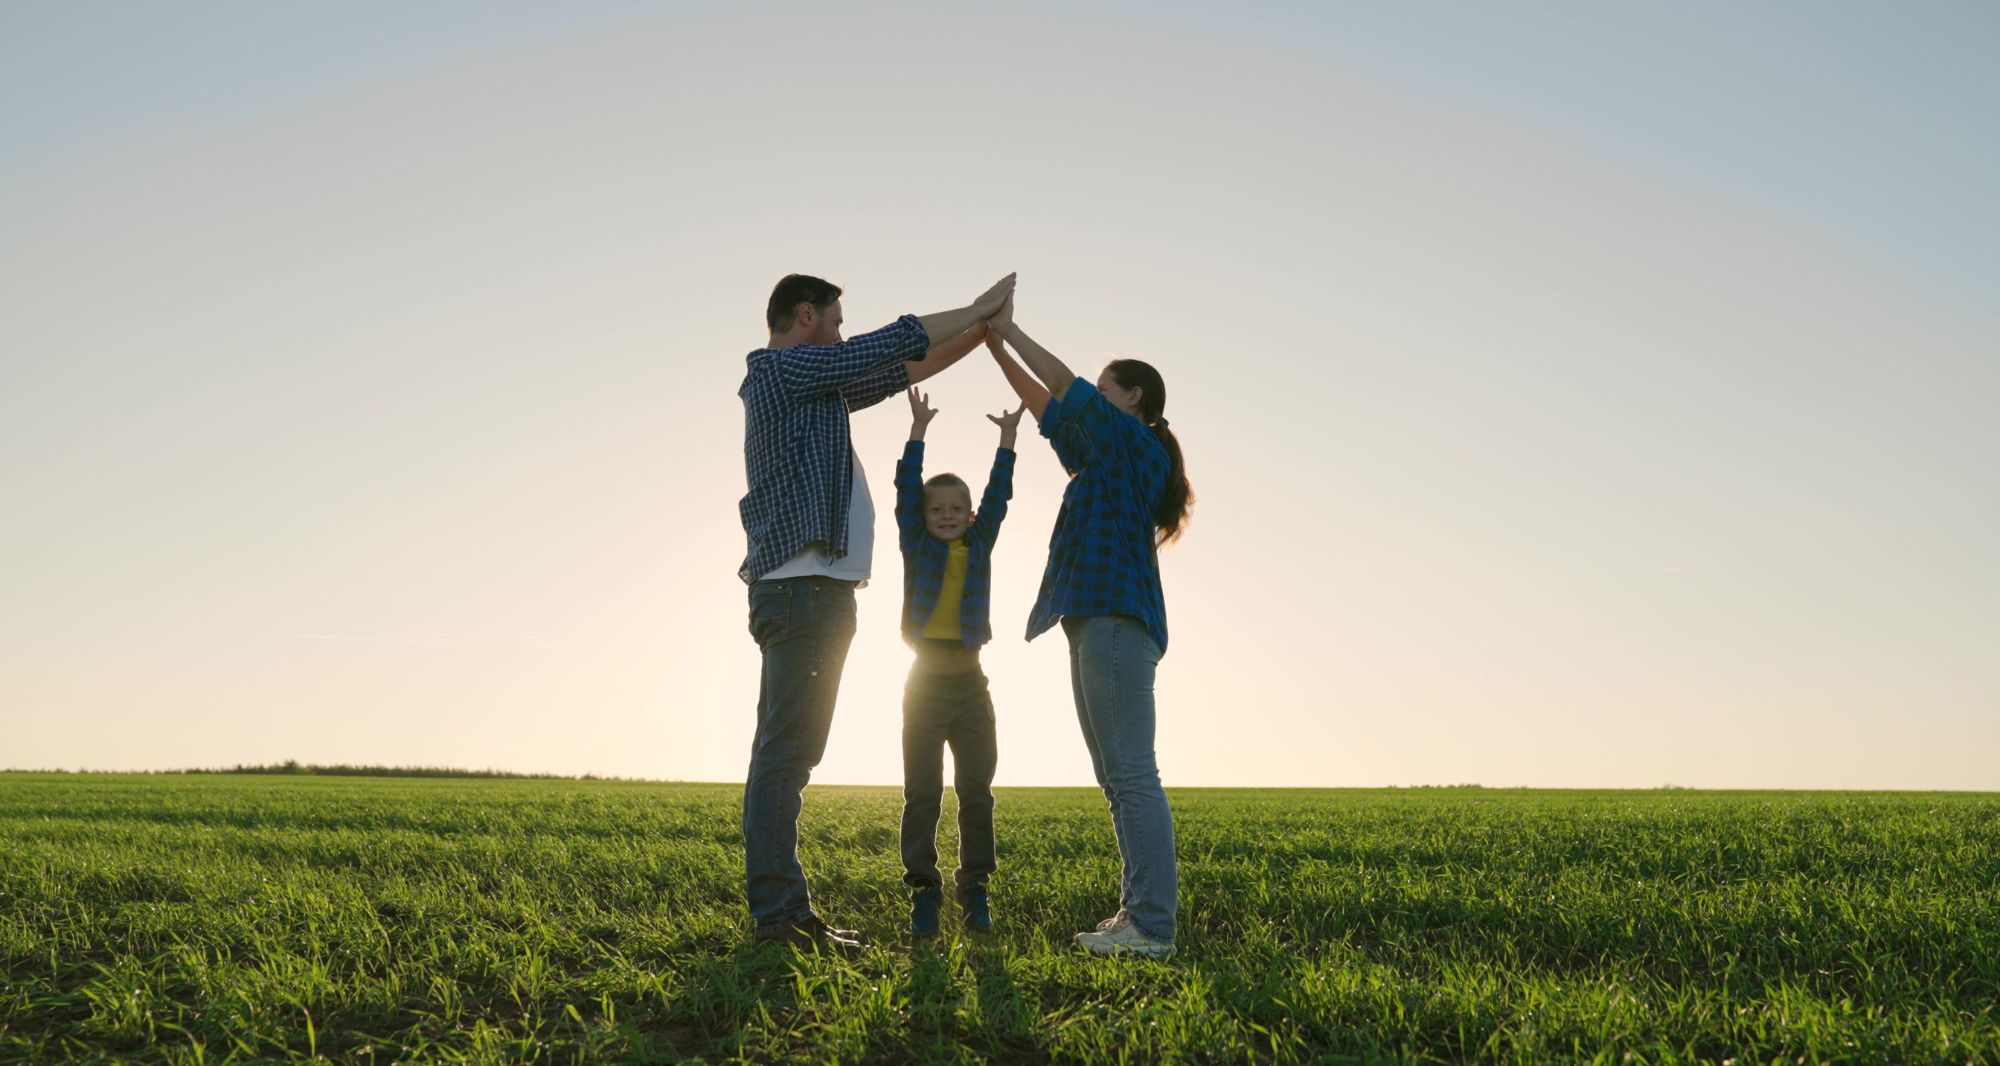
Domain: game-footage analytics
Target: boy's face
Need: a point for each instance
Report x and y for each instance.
(947, 511)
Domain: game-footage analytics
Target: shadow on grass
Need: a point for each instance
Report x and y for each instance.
(1005, 1022)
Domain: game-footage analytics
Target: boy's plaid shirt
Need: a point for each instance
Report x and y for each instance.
(798, 452)
(1102, 555)
(924, 556)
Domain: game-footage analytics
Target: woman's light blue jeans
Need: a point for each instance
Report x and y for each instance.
(1111, 666)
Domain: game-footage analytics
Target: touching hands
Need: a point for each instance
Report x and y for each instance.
(944, 328)
(992, 299)
(1004, 316)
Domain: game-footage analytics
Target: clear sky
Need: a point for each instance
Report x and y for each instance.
(1575, 394)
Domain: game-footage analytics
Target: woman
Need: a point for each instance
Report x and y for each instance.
(1127, 495)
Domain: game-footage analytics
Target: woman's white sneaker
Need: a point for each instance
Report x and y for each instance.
(1124, 938)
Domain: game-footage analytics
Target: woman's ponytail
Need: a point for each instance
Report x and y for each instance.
(1171, 518)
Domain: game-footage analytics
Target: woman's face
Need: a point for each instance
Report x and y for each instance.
(1124, 399)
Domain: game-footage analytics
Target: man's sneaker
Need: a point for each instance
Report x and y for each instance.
(1124, 939)
(924, 904)
(814, 934)
(1113, 922)
(978, 915)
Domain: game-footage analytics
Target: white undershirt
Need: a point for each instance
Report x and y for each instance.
(855, 565)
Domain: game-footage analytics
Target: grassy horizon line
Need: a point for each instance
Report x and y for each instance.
(294, 768)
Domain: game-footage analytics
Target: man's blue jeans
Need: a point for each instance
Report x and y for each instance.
(803, 626)
(1111, 667)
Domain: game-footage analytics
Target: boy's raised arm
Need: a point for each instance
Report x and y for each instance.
(999, 483)
(921, 413)
(910, 473)
(1009, 422)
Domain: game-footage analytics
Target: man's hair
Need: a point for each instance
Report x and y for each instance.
(793, 290)
(946, 481)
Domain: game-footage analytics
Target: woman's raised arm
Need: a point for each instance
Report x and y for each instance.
(1025, 386)
(1051, 370)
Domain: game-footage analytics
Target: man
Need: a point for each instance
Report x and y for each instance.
(810, 524)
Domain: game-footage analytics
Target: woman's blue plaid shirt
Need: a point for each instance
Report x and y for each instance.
(798, 451)
(1102, 554)
(925, 556)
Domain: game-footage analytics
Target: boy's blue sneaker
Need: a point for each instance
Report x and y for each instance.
(924, 904)
(978, 917)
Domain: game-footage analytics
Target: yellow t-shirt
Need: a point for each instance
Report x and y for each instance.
(944, 618)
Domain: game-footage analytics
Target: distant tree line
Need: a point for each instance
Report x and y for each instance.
(293, 766)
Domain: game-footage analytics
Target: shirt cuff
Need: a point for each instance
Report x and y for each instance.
(1051, 417)
(916, 329)
(1066, 408)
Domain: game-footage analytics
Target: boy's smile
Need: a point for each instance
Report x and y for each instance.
(947, 512)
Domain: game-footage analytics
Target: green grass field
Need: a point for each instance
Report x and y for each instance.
(212, 918)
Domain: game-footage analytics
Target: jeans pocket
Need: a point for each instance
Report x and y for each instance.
(770, 610)
(846, 613)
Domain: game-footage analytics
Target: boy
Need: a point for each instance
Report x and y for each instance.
(947, 579)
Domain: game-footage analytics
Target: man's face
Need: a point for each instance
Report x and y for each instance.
(947, 511)
(825, 324)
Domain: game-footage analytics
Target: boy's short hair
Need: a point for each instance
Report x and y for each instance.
(946, 481)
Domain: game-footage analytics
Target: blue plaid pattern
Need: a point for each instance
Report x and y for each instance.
(1065, 450)
(924, 556)
(1102, 555)
(797, 445)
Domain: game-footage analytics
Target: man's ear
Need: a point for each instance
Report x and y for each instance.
(804, 314)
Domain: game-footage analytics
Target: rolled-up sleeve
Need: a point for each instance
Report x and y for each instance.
(1071, 446)
(810, 369)
(876, 387)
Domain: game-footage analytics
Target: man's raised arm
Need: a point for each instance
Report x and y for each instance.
(945, 325)
(941, 356)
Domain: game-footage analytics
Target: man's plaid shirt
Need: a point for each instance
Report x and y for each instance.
(798, 453)
(924, 556)
(1102, 556)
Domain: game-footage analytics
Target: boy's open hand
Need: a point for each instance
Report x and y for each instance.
(921, 411)
(1007, 421)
